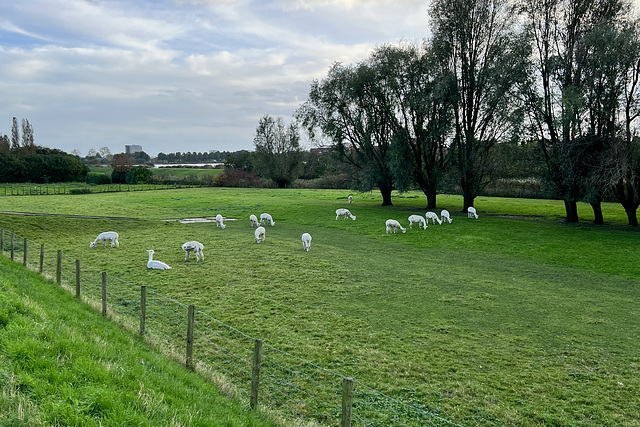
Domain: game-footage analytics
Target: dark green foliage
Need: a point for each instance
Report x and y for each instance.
(138, 175)
(41, 168)
(98, 178)
(118, 177)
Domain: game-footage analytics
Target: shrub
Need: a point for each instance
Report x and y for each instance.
(138, 175)
(232, 177)
(98, 178)
(80, 191)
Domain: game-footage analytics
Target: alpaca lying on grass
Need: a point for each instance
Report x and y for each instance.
(155, 264)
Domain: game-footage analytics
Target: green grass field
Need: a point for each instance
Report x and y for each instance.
(512, 319)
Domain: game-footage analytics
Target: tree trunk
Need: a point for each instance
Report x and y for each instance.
(598, 218)
(631, 215)
(571, 208)
(385, 191)
(468, 199)
(431, 198)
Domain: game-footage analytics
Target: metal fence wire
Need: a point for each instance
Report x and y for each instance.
(295, 388)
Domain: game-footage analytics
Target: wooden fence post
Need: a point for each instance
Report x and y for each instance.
(143, 309)
(41, 258)
(24, 252)
(104, 293)
(190, 324)
(13, 246)
(59, 268)
(77, 278)
(347, 401)
(255, 373)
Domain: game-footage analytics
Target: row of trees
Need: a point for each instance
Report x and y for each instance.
(561, 73)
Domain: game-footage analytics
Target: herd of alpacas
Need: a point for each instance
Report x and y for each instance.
(196, 247)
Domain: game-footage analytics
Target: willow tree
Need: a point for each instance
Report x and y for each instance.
(350, 108)
(478, 42)
(564, 87)
(419, 92)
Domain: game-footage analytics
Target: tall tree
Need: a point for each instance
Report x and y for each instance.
(277, 154)
(27, 137)
(350, 108)
(557, 103)
(15, 135)
(478, 40)
(420, 96)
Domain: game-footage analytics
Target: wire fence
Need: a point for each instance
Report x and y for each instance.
(84, 188)
(243, 366)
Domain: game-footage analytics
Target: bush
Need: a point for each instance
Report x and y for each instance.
(98, 178)
(232, 177)
(138, 175)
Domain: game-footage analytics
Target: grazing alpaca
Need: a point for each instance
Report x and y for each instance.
(103, 237)
(156, 265)
(350, 199)
(433, 216)
(345, 213)
(393, 224)
(445, 216)
(253, 220)
(193, 246)
(417, 218)
(306, 241)
(220, 221)
(471, 213)
(265, 217)
(259, 233)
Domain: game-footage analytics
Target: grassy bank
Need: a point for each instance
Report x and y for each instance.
(63, 364)
(512, 319)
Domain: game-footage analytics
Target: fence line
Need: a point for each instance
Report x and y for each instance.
(54, 189)
(244, 366)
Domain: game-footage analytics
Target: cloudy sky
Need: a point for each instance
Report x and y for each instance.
(178, 75)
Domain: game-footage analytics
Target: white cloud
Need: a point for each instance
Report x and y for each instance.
(201, 73)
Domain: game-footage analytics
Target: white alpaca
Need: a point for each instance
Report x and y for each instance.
(253, 220)
(156, 265)
(417, 218)
(306, 241)
(220, 221)
(259, 233)
(195, 247)
(433, 216)
(392, 223)
(445, 216)
(265, 217)
(350, 199)
(471, 212)
(103, 237)
(345, 213)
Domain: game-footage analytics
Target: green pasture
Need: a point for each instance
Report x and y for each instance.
(516, 318)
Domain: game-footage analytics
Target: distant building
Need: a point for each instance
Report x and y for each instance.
(130, 149)
(321, 149)
(213, 151)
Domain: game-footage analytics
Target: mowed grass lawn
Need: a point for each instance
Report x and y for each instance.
(512, 319)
